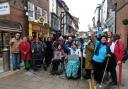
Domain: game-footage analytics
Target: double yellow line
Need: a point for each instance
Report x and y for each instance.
(91, 84)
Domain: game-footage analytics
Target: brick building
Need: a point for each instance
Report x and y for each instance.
(16, 15)
(122, 13)
(23, 16)
(12, 19)
(37, 9)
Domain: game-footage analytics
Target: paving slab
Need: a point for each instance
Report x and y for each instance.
(44, 80)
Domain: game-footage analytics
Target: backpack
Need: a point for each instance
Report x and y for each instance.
(125, 55)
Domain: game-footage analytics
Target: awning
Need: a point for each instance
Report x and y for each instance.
(7, 29)
(10, 26)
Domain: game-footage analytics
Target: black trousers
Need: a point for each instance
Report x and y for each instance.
(98, 71)
(56, 63)
(88, 73)
(113, 75)
(48, 59)
(112, 68)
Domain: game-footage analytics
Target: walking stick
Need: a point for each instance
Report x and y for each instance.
(104, 73)
(81, 63)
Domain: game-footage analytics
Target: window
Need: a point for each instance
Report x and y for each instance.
(38, 12)
(30, 10)
(45, 16)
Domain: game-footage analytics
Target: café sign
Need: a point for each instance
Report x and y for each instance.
(4, 8)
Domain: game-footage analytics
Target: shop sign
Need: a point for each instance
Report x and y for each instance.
(4, 8)
(41, 19)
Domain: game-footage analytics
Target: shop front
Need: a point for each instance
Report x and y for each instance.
(7, 31)
(38, 29)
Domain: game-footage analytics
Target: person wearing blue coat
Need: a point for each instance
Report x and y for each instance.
(102, 50)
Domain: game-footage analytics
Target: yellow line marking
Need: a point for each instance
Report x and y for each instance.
(94, 84)
(94, 87)
(90, 85)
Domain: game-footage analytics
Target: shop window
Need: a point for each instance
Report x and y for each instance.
(38, 12)
(31, 10)
(44, 13)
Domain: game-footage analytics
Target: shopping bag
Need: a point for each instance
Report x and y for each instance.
(27, 64)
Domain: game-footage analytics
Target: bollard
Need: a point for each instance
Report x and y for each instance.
(6, 59)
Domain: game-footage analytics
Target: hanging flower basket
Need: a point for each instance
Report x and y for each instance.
(125, 22)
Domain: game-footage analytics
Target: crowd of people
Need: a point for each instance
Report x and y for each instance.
(71, 55)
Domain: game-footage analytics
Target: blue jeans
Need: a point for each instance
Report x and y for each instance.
(16, 60)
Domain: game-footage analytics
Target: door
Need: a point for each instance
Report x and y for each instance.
(4, 42)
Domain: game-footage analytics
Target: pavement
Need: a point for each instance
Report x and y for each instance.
(22, 79)
(39, 80)
(1, 65)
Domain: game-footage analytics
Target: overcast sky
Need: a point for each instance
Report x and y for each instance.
(84, 9)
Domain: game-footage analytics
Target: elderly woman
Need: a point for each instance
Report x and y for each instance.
(37, 53)
(117, 47)
(25, 52)
(88, 58)
(101, 51)
(48, 52)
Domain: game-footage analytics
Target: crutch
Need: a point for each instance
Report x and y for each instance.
(104, 73)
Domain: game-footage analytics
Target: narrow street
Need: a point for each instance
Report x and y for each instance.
(69, 34)
(39, 80)
(43, 80)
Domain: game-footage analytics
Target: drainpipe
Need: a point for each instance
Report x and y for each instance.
(115, 16)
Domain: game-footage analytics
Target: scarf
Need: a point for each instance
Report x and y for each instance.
(98, 48)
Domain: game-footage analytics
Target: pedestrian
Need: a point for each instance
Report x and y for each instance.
(99, 58)
(110, 35)
(14, 49)
(48, 52)
(41, 39)
(112, 65)
(30, 39)
(88, 59)
(37, 54)
(73, 62)
(84, 49)
(118, 49)
(86, 41)
(25, 52)
(57, 59)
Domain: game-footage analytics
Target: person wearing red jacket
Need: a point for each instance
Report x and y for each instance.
(119, 53)
(25, 52)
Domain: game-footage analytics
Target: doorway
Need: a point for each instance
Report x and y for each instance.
(4, 42)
